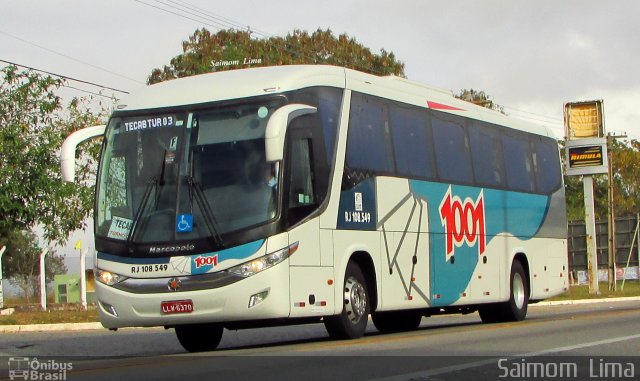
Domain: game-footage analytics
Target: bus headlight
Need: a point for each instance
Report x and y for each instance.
(260, 264)
(108, 277)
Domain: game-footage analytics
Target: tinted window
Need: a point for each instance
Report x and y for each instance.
(545, 157)
(412, 142)
(486, 153)
(301, 187)
(367, 146)
(517, 158)
(328, 101)
(451, 149)
(322, 127)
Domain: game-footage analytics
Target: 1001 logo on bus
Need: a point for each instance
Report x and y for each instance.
(463, 222)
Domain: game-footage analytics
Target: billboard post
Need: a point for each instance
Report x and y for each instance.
(586, 155)
(2, 249)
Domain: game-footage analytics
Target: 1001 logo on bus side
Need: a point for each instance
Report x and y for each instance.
(463, 222)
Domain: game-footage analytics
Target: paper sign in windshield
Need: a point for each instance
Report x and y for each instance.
(120, 228)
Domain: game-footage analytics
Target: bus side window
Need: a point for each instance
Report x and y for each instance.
(518, 162)
(302, 198)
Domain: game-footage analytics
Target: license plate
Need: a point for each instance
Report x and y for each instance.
(177, 307)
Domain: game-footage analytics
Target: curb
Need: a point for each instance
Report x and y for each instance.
(586, 301)
(50, 327)
(97, 325)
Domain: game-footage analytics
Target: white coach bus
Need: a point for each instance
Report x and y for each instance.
(298, 194)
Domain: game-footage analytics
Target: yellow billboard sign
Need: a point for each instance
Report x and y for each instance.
(584, 120)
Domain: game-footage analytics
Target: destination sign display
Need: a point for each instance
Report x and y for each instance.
(145, 123)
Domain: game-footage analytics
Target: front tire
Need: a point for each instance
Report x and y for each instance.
(199, 337)
(352, 321)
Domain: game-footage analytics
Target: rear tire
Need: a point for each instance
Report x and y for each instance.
(515, 309)
(396, 321)
(199, 337)
(352, 321)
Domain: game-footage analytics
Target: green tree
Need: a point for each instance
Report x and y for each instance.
(626, 177)
(21, 262)
(479, 98)
(626, 185)
(574, 193)
(203, 49)
(33, 125)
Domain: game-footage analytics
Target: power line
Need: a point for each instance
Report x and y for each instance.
(557, 124)
(220, 17)
(198, 12)
(180, 15)
(68, 57)
(551, 119)
(65, 77)
(226, 23)
(221, 22)
(189, 9)
(89, 92)
(213, 20)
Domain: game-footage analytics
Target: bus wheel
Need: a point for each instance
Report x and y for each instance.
(199, 337)
(396, 321)
(352, 321)
(516, 308)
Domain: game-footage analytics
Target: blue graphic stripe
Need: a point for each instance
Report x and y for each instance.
(238, 252)
(519, 214)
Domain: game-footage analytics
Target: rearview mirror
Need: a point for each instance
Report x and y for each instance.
(277, 128)
(68, 150)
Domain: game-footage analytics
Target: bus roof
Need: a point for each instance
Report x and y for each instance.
(241, 83)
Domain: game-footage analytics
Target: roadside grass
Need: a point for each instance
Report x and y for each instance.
(29, 313)
(49, 317)
(631, 288)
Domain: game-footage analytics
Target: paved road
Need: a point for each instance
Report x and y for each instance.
(594, 337)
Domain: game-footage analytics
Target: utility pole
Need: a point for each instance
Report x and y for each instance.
(612, 247)
(1, 291)
(590, 227)
(43, 282)
(83, 279)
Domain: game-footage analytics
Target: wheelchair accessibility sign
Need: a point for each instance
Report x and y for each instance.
(184, 223)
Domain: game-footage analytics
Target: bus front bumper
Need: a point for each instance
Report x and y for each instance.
(264, 295)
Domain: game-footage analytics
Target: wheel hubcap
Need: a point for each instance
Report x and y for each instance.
(518, 291)
(355, 300)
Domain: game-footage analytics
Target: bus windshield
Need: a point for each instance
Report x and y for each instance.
(187, 175)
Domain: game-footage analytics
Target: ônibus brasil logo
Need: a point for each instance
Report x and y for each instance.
(463, 222)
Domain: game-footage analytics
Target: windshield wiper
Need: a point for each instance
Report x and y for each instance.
(151, 184)
(209, 218)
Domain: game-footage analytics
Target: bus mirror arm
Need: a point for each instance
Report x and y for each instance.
(68, 150)
(277, 128)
